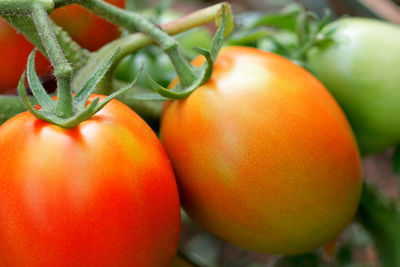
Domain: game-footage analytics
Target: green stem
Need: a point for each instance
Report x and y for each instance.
(136, 41)
(62, 69)
(74, 53)
(133, 21)
(23, 7)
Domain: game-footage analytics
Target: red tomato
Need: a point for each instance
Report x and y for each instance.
(263, 155)
(100, 194)
(88, 30)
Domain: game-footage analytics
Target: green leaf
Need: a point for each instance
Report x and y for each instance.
(287, 19)
(247, 38)
(380, 216)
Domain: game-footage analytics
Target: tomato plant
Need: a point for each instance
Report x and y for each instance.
(362, 71)
(86, 29)
(100, 194)
(262, 153)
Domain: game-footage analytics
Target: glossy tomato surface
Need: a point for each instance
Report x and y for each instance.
(263, 155)
(100, 194)
(362, 71)
(88, 30)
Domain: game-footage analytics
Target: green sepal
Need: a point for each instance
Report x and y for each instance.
(118, 92)
(45, 101)
(225, 19)
(25, 100)
(179, 92)
(46, 111)
(89, 86)
(51, 117)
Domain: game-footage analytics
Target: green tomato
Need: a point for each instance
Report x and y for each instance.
(153, 62)
(362, 71)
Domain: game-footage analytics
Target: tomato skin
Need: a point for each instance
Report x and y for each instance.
(263, 155)
(362, 71)
(88, 30)
(100, 194)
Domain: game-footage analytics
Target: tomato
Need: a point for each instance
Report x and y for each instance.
(362, 71)
(100, 194)
(14, 52)
(263, 155)
(88, 30)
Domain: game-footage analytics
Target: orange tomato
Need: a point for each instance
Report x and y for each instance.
(263, 155)
(100, 194)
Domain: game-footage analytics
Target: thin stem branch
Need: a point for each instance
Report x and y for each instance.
(74, 53)
(23, 7)
(133, 42)
(62, 69)
(133, 21)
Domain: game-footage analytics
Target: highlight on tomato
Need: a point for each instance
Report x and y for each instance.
(263, 155)
(100, 194)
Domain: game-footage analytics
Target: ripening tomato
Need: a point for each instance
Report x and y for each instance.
(88, 30)
(362, 71)
(263, 155)
(100, 194)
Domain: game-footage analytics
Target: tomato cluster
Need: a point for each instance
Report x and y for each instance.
(262, 155)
